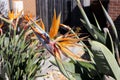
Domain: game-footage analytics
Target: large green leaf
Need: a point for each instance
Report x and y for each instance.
(105, 60)
(110, 21)
(84, 14)
(89, 66)
(95, 32)
(69, 66)
(63, 70)
(116, 40)
(109, 41)
(97, 23)
(67, 69)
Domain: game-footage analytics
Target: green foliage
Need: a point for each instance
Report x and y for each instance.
(76, 70)
(103, 53)
(105, 48)
(20, 56)
(105, 60)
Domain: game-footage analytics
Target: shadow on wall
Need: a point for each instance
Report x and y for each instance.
(70, 12)
(74, 15)
(97, 10)
(95, 7)
(73, 18)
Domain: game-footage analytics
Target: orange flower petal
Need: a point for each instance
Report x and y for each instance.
(41, 24)
(57, 53)
(68, 53)
(55, 25)
(11, 15)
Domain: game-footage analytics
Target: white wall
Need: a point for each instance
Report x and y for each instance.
(85, 3)
(4, 7)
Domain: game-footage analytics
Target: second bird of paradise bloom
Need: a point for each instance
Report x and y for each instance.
(11, 17)
(56, 45)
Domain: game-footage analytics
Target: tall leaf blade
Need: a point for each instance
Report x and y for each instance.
(114, 32)
(63, 70)
(105, 60)
(84, 14)
(109, 41)
(110, 21)
(96, 33)
(97, 22)
(68, 69)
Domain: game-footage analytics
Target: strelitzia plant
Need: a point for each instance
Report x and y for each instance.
(104, 50)
(12, 19)
(58, 45)
(20, 59)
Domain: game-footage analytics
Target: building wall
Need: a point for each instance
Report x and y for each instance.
(4, 7)
(29, 6)
(114, 9)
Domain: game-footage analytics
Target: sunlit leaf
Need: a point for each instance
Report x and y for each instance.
(62, 68)
(105, 60)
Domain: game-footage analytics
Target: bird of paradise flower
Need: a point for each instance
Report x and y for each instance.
(53, 43)
(11, 17)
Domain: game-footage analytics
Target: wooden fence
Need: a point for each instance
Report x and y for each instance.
(45, 9)
(70, 12)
